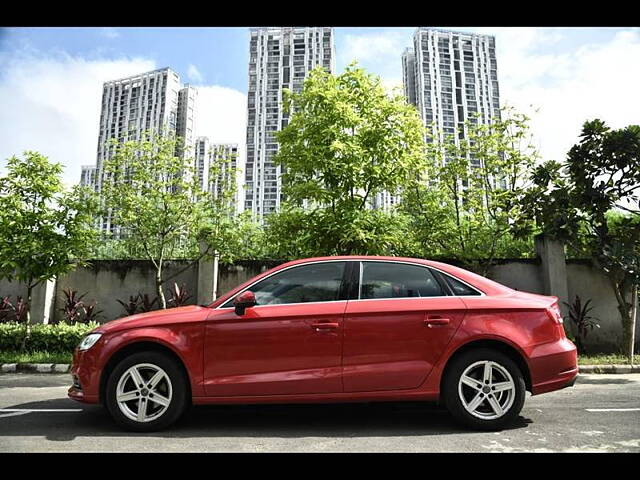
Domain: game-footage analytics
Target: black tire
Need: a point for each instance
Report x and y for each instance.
(454, 404)
(178, 385)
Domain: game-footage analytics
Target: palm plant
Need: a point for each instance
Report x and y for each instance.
(73, 306)
(147, 304)
(90, 313)
(130, 307)
(179, 295)
(579, 316)
(6, 309)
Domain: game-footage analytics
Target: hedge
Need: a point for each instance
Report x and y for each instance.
(60, 337)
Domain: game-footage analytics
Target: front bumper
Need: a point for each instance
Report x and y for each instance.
(86, 377)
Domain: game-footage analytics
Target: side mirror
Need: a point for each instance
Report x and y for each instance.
(245, 300)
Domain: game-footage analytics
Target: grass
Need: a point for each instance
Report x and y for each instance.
(65, 357)
(35, 357)
(606, 359)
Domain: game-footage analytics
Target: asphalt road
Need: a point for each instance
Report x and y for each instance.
(601, 413)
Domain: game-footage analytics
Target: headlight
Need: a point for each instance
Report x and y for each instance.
(88, 341)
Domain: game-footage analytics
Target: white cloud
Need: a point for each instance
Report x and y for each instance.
(52, 105)
(109, 32)
(372, 46)
(221, 115)
(595, 80)
(378, 52)
(194, 74)
(561, 72)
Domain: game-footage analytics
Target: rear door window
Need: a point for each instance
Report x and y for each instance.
(397, 280)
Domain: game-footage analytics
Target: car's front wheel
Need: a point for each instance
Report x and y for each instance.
(146, 391)
(484, 389)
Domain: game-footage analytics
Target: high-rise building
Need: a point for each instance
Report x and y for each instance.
(186, 116)
(153, 101)
(279, 58)
(450, 77)
(228, 157)
(409, 74)
(88, 177)
(201, 161)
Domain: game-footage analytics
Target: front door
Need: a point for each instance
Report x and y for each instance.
(397, 328)
(289, 343)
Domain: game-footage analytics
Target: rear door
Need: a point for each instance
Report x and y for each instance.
(397, 326)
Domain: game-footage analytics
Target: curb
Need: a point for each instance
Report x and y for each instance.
(35, 368)
(65, 367)
(609, 368)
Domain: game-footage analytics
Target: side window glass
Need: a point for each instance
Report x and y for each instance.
(397, 280)
(460, 288)
(317, 282)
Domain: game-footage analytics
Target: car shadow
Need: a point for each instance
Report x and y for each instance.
(350, 420)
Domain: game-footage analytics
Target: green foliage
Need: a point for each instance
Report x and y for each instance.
(467, 207)
(60, 337)
(347, 140)
(594, 198)
(45, 230)
(37, 356)
(297, 233)
(153, 197)
(610, 359)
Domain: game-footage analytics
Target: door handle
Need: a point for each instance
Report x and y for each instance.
(434, 321)
(318, 326)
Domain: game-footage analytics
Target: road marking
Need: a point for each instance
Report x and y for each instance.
(28, 410)
(612, 409)
(13, 414)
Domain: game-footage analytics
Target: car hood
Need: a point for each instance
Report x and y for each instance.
(189, 313)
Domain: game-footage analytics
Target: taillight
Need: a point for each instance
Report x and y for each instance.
(554, 313)
(556, 316)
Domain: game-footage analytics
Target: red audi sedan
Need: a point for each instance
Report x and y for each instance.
(334, 329)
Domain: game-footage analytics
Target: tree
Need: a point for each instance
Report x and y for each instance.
(297, 233)
(347, 140)
(596, 192)
(153, 198)
(223, 230)
(467, 207)
(45, 230)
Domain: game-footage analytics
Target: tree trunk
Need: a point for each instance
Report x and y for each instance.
(159, 291)
(27, 325)
(632, 323)
(216, 259)
(627, 314)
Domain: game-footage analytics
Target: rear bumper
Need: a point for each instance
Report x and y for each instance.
(553, 366)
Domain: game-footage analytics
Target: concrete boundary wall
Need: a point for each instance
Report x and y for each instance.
(106, 281)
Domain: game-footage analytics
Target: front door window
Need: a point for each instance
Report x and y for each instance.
(316, 282)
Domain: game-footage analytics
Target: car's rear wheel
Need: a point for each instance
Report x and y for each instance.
(484, 389)
(146, 391)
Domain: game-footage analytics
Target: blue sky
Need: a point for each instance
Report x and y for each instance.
(50, 78)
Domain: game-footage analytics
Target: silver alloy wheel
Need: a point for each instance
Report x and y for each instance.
(144, 392)
(487, 390)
